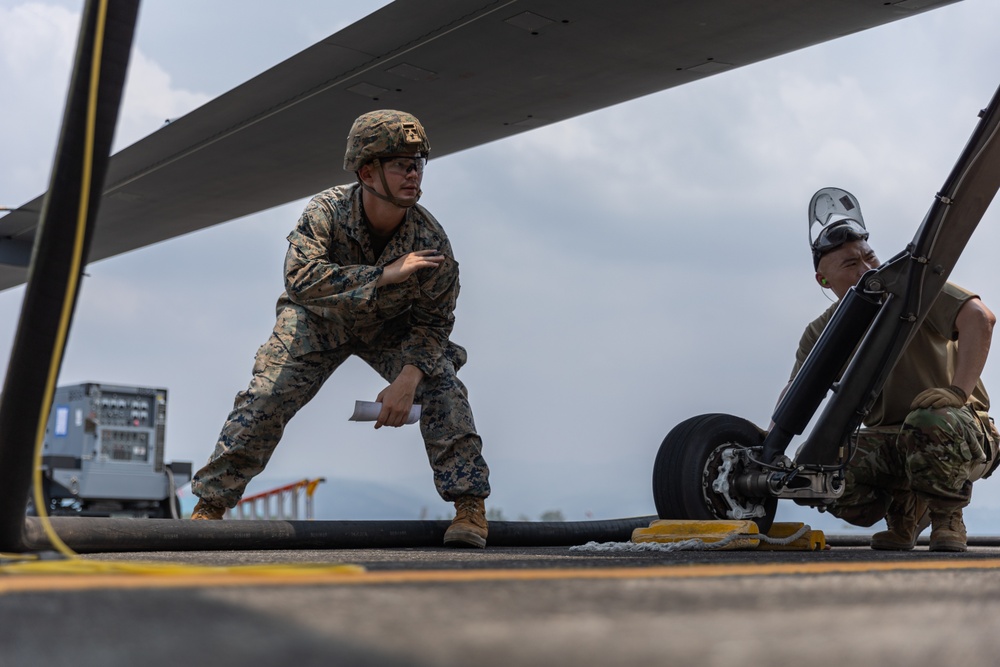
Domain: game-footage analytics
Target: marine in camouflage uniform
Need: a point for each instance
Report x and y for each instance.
(927, 437)
(345, 295)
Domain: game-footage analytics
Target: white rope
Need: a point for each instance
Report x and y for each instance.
(694, 544)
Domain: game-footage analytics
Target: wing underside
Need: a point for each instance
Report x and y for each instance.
(473, 72)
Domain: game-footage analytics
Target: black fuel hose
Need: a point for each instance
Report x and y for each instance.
(104, 535)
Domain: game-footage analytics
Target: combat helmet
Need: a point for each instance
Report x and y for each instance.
(384, 132)
(381, 134)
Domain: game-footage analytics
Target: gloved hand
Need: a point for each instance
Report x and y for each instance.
(940, 397)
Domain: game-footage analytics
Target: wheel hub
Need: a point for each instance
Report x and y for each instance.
(718, 484)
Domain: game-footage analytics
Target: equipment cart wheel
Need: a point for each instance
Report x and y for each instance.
(170, 507)
(696, 468)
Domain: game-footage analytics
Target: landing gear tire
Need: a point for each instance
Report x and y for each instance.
(692, 478)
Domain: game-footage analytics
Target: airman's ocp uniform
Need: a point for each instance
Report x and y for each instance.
(332, 308)
(936, 453)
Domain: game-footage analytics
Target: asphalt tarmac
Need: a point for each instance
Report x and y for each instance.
(847, 605)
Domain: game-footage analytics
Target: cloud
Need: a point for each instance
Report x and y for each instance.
(150, 99)
(37, 43)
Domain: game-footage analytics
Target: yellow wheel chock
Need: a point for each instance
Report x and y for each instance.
(726, 534)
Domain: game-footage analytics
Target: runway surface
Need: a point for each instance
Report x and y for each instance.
(509, 606)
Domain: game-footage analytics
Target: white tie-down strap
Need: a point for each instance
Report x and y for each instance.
(692, 544)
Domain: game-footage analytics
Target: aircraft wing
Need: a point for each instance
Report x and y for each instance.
(472, 71)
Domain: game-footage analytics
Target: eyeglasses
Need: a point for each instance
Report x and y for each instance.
(402, 166)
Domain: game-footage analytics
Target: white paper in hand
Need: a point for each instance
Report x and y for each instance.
(367, 411)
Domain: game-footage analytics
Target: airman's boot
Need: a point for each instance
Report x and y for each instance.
(204, 511)
(947, 529)
(906, 518)
(469, 527)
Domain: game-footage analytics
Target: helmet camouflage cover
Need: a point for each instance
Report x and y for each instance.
(385, 132)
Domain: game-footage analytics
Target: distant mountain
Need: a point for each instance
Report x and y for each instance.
(351, 500)
(361, 500)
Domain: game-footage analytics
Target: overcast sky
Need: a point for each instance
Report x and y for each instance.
(621, 271)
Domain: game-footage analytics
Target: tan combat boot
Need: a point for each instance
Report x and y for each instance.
(469, 527)
(947, 529)
(907, 517)
(203, 511)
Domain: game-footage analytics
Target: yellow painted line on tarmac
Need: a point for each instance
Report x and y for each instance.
(667, 572)
(17, 583)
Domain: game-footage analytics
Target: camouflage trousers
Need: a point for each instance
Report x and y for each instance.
(282, 384)
(936, 454)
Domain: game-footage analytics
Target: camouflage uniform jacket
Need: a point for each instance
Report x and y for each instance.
(331, 298)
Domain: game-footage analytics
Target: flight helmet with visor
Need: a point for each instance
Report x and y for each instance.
(834, 219)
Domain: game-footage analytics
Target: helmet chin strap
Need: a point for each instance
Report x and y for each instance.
(392, 199)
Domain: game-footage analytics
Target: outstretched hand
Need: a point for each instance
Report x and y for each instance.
(409, 264)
